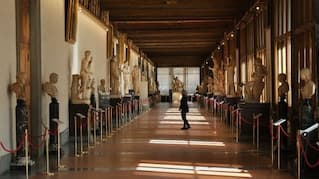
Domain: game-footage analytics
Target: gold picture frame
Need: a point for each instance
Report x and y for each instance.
(71, 20)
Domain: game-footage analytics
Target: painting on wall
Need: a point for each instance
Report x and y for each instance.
(71, 20)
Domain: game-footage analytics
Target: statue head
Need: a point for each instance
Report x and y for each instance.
(282, 77)
(102, 81)
(53, 78)
(258, 61)
(87, 53)
(305, 74)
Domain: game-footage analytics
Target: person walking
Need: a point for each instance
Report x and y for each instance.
(184, 109)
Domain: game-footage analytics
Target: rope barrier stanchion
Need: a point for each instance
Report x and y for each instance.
(59, 142)
(88, 125)
(233, 113)
(111, 120)
(278, 125)
(237, 126)
(94, 126)
(300, 149)
(47, 153)
(79, 118)
(272, 141)
(101, 111)
(26, 146)
(256, 125)
(298, 154)
(106, 115)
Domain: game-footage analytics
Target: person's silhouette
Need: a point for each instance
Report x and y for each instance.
(184, 109)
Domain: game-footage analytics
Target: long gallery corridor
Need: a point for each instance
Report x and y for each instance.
(153, 146)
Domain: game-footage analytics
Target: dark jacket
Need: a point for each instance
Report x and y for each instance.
(184, 106)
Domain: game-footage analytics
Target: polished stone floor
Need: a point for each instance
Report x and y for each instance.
(154, 146)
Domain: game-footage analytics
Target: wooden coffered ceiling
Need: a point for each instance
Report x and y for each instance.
(175, 32)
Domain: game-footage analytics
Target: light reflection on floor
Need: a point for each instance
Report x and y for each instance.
(188, 117)
(181, 122)
(193, 169)
(187, 142)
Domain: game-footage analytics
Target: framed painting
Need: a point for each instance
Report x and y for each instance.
(71, 20)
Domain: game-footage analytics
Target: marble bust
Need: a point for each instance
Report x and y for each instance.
(308, 87)
(101, 88)
(49, 87)
(284, 87)
(19, 86)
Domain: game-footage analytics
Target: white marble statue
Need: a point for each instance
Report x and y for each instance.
(115, 76)
(308, 87)
(135, 79)
(230, 79)
(177, 85)
(86, 75)
(127, 78)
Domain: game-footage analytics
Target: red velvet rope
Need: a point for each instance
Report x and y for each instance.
(283, 131)
(305, 155)
(311, 146)
(245, 121)
(12, 151)
(37, 146)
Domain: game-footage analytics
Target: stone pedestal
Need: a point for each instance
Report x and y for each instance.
(53, 114)
(306, 115)
(104, 101)
(21, 124)
(19, 160)
(177, 97)
(76, 108)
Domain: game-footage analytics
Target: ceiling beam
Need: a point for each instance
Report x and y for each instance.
(172, 21)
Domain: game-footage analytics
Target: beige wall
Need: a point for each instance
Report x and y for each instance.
(64, 58)
(7, 73)
(91, 36)
(56, 56)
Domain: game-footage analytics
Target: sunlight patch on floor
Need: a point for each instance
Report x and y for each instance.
(193, 169)
(187, 142)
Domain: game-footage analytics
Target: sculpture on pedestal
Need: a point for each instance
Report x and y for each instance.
(127, 78)
(177, 85)
(50, 89)
(307, 90)
(230, 79)
(135, 79)
(219, 79)
(86, 75)
(82, 84)
(21, 111)
(254, 88)
(177, 88)
(115, 76)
